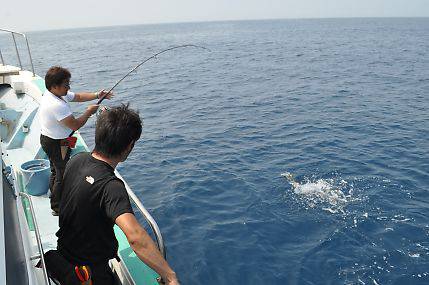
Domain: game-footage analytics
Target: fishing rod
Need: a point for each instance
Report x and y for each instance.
(138, 65)
(144, 61)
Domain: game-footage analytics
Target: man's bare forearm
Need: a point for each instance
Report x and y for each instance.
(85, 96)
(148, 252)
(76, 124)
(145, 248)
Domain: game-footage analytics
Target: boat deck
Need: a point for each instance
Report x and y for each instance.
(20, 132)
(48, 224)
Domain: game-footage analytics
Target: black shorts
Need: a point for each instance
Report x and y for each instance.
(63, 271)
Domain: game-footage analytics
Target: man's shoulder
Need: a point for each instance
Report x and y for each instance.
(77, 158)
(81, 154)
(50, 102)
(115, 183)
(115, 187)
(46, 100)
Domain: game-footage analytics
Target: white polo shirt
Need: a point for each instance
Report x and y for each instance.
(51, 111)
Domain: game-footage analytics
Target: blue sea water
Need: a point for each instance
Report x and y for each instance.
(342, 105)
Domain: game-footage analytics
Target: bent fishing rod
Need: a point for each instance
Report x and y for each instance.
(140, 64)
(144, 61)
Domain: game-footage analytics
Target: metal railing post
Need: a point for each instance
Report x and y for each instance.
(151, 222)
(17, 51)
(29, 54)
(148, 217)
(16, 48)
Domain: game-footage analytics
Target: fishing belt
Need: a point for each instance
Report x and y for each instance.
(61, 270)
(70, 142)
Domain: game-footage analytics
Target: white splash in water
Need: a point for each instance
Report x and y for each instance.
(321, 191)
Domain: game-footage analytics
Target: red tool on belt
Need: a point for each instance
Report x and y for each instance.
(83, 273)
(70, 142)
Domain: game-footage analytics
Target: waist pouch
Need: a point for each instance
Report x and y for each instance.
(70, 142)
(65, 272)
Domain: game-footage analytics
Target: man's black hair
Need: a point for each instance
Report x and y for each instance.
(55, 76)
(116, 129)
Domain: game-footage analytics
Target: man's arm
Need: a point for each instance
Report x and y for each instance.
(86, 96)
(145, 248)
(72, 123)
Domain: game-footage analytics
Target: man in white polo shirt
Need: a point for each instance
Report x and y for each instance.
(57, 123)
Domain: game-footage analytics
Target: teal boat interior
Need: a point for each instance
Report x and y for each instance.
(27, 227)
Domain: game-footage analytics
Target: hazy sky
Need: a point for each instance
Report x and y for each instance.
(26, 15)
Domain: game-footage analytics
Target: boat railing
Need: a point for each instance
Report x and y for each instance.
(149, 219)
(13, 33)
(38, 238)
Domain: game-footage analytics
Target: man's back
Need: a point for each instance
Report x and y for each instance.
(92, 198)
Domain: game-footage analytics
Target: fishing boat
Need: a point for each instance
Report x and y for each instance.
(27, 227)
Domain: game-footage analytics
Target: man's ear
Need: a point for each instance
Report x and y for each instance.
(131, 146)
(128, 150)
(53, 88)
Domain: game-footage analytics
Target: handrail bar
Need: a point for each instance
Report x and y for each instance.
(13, 33)
(148, 217)
(3, 269)
(38, 239)
(16, 49)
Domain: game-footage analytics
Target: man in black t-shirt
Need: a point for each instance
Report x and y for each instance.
(94, 200)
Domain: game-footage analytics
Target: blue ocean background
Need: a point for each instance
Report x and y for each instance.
(340, 105)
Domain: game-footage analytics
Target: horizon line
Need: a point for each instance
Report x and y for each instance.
(222, 21)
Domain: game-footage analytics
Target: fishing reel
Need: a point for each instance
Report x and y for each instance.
(101, 109)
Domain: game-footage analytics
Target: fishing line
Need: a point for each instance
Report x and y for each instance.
(140, 64)
(146, 60)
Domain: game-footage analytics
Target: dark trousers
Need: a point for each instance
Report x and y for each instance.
(63, 270)
(102, 274)
(52, 148)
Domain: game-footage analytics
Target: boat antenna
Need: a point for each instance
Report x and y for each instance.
(146, 60)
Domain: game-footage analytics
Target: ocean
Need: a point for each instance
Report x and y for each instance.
(294, 152)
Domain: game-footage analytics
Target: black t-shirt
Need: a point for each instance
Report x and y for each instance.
(91, 200)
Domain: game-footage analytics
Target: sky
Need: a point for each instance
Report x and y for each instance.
(26, 15)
